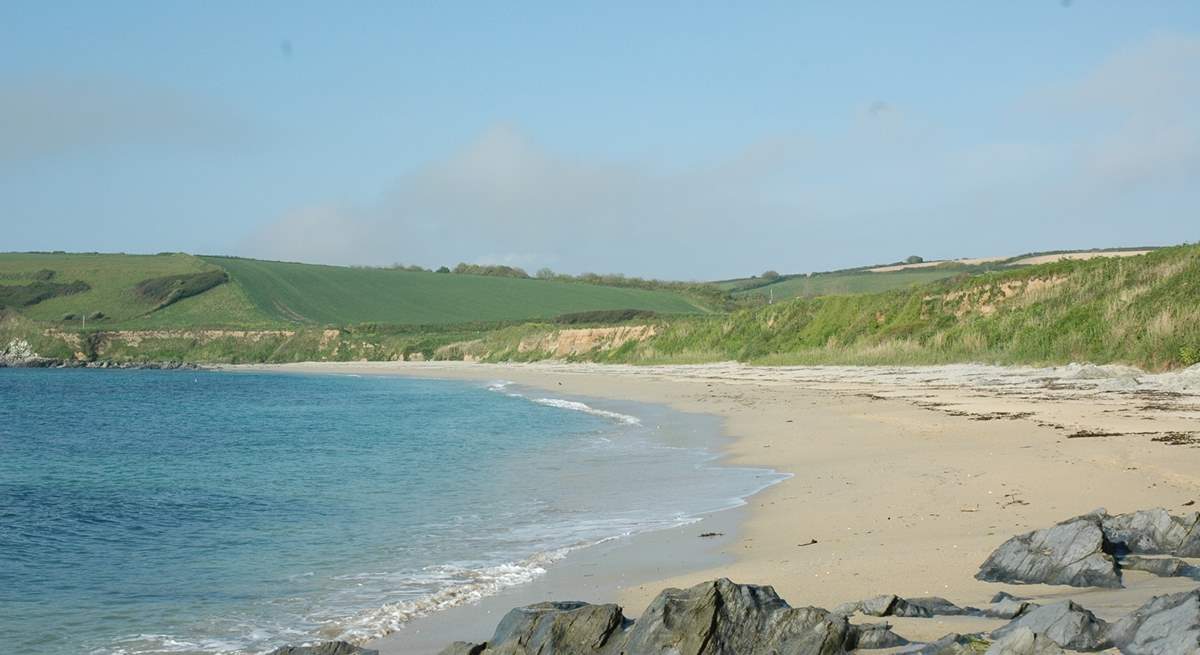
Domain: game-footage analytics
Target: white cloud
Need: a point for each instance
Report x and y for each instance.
(892, 183)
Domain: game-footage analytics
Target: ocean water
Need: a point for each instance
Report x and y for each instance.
(214, 512)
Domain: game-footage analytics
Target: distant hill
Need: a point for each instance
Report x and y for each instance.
(180, 290)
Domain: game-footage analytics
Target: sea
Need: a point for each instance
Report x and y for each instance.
(203, 512)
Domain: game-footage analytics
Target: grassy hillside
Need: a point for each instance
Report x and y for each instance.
(1142, 310)
(112, 291)
(112, 296)
(334, 295)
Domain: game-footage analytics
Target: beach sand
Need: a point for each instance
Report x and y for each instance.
(905, 478)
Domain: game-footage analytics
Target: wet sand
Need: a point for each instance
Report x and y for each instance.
(906, 478)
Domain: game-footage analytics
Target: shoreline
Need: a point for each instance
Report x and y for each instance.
(907, 478)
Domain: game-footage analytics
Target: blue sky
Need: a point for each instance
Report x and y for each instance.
(689, 140)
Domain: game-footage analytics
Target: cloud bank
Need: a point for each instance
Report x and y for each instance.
(1112, 157)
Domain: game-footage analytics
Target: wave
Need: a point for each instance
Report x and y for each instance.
(501, 386)
(588, 409)
(462, 586)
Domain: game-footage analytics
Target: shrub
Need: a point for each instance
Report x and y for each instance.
(172, 288)
(1189, 355)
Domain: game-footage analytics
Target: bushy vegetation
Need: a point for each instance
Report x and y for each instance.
(605, 316)
(163, 291)
(24, 295)
(488, 269)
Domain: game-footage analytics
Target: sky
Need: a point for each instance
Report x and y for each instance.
(674, 140)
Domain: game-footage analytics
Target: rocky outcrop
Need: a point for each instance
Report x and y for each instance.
(1070, 553)
(1167, 625)
(325, 648)
(1091, 550)
(575, 628)
(1066, 624)
(579, 341)
(712, 618)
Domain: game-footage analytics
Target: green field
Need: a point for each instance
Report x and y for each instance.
(828, 284)
(261, 294)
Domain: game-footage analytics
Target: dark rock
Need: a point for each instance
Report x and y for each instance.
(893, 605)
(560, 628)
(1154, 532)
(873, 635)
(936, 606)
(463, 648)
(325, 648)
(723, 618)
(1007, 606)
(1024, 641)
(1065, 623)
(1070, 553)
(1167, 625)
(1164, 567)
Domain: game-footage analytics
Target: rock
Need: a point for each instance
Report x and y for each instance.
(723, 618)
(1154, 532)
(1024, 642)
(1070, 553)
(325, 648)
(936, 606)
(873, 635)
(953, 644)
(1166, 625)
(463, 648)
(562, 628)
(1066, 624)
(1164, 567)
(885, 605)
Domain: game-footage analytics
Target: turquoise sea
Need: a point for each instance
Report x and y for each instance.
(219, 512)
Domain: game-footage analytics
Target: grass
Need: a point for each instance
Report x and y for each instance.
(332, 295)
(1141, 310)
(112, 279)
(857, 282)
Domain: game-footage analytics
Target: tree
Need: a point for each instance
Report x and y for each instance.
(443, 269)
(914, 259)
(546, 274)
(770, 275)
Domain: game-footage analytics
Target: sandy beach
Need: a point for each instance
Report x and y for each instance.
(903, 479)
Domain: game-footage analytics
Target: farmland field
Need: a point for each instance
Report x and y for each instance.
(308, 293)
(857, 282)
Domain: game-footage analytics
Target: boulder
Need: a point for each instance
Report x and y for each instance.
(723, 618)
(1166, 625)
(1066, 624)
(1164, 567)
(1154, 532)
(1070, 553)
(873, 635)
(1024, 642)
(569, 628)
(1008, 608)
(325, 648)
(886, 605)
(937, 606)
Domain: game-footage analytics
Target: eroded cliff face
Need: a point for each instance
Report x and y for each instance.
(288, 345)
(580, 341)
